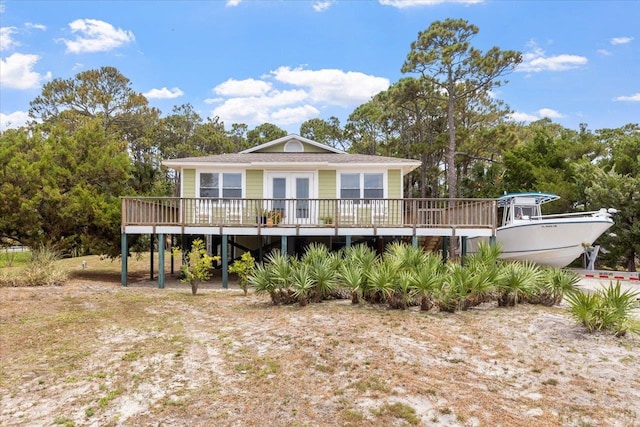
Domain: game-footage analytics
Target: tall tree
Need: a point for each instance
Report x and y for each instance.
(326, 132)
(104, 93)
(63, 189)
(420, 120)
(264, 133)
(443, 55)
(367, 129)
(614, 181)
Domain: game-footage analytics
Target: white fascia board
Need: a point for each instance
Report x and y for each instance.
(192, 165)
(287, 138)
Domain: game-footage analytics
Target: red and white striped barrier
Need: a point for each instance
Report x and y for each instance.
(610, 275)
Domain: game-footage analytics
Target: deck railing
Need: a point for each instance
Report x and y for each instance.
(203, 212)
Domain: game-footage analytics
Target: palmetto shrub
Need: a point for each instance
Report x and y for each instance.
(301, 283)
(404, 292)
(453, 288)
(352, 276)
(274, 277)
(517, 283)
(555, 283)
(427, 279)
(381, 281)
(607, 309)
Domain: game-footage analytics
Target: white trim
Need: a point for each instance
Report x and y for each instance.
(293, 146)
(243, 181)
(385, 181)
(287, 138)
(310, 231)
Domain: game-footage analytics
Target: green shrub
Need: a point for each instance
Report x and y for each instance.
(41, 270)
(518, 282)
(198, 267)
(608, 309)
(243, 268)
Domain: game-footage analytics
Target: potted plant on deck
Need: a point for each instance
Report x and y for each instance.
(274, 217)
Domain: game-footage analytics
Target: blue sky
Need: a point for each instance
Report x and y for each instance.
(285, 62)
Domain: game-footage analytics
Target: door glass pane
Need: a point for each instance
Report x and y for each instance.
(279, 192)
(302, 192)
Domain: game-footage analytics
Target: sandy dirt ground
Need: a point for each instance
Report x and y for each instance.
(97, 354)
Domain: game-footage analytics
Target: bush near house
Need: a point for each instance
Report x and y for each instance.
(406, 276)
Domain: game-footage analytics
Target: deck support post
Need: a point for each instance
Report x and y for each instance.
(283, 245)
(414, 241)
(124, 250)
(463, 253)
(347, 241)
(172, 257)
(151, 237)
(161, 260)
(225, 261)
(445, 248)
(492, 240)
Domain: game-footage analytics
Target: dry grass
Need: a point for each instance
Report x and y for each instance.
(94, 353)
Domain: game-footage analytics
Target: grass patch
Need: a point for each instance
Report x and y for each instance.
(398, 410)
(14, 259)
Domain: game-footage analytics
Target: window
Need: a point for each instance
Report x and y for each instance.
(221, 185)
(361, 186)
(373, 188)
(350, 186)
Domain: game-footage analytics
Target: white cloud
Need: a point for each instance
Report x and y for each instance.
(13, 120)
(331, 86)
(257, 109)
(401, 4)
(549, 113)
(232, 3)
(213, 100)
(6, 41)
(96, 36)
(36, 26)
(288, 116)
(604, 52)
(321, 6)
(620, 40)
(632, 98)
(542, 113)
(16, 72)
(289, 96)
(522, 117)
(536, 61)
(247, 87)
(164, 93)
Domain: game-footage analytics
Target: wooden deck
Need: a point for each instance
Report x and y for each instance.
(309, 217)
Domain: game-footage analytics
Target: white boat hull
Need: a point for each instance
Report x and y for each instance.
(552, 242)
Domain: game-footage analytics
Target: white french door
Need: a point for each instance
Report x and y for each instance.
(291, 191)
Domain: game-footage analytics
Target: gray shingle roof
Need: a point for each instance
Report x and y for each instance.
(279, 158)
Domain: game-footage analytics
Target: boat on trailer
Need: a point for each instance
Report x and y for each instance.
(555, 240)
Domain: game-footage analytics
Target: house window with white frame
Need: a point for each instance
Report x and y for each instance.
(221, 185)
(361, 186)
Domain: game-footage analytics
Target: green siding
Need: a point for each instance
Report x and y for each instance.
(326, 190)
(394, 184)
(326, 184)
(313, 149)
(188, 183)
(254, 182)
(279, 148)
